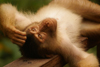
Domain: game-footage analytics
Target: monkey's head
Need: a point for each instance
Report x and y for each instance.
(41, 39)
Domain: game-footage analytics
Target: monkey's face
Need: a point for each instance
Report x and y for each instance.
(46, 29)
(41, 36)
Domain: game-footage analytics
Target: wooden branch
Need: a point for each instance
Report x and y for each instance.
(55, 61)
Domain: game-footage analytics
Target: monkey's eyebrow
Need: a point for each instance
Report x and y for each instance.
(33, 23)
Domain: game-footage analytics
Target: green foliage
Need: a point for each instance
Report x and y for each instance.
(27, 5)
(8, 51)
(96, 1)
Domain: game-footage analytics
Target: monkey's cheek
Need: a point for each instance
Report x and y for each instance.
(41, 40)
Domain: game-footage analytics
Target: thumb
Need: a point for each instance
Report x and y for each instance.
(19, 32)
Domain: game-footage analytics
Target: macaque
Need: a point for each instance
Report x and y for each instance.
(54, 29)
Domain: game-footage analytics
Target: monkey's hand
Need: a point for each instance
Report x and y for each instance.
(16, 36)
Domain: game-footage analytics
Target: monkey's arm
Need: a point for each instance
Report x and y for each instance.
(85, 8)
(7, 24)
(77, 57)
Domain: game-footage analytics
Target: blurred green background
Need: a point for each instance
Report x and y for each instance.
(9, 51)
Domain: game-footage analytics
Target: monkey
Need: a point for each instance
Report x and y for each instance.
(54, 29)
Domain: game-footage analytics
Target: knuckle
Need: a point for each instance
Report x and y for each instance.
(13, 30)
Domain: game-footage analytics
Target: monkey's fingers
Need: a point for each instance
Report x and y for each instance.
(18, 41)
(18, 32)
(20, 36)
